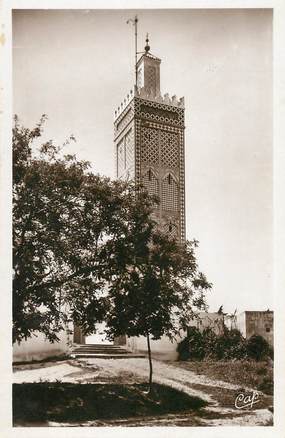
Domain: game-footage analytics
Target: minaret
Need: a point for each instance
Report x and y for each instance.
(149, 144)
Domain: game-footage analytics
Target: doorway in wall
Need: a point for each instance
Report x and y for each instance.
(99, 337)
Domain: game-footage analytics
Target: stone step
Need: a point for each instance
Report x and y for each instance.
(94, 347)
(99, 345)
(99, 348)
(105, 356)
(102, 352)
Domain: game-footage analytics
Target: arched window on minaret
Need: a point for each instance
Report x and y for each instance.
(150, 182)
(170, 198)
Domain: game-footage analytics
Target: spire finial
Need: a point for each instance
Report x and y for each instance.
(147, 47)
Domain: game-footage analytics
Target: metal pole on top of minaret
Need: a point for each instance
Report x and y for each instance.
(135, 23)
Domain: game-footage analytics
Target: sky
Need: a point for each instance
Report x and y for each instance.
(76, 66)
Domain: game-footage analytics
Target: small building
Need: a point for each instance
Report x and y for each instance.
(256, 323)
(248, 323)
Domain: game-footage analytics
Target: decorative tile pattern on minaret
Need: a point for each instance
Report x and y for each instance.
(149, 144)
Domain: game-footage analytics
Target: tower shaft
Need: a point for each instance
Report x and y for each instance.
(149, 145)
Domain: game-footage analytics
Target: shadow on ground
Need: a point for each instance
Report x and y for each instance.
(69, 402)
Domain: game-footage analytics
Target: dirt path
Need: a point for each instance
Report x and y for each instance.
(220, 395)
(212, 391)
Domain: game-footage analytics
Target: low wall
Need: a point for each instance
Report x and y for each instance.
(38, 348)
(212, 320)
(162, 348)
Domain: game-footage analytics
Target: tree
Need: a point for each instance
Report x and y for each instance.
(63, 215)
(258, 348)
(154, 285)
(88, 248)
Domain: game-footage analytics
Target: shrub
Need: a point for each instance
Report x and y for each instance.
(266, 386)
(183, 349)
(258, 348)
(191, 347)
(261, 371)
(196, 343)
(230, 345)
(210, 342)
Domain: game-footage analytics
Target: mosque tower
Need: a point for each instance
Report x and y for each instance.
(149, 143)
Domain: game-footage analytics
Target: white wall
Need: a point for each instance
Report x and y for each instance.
(37, 348)
(161, 349)
(241, 323)
(213, 320)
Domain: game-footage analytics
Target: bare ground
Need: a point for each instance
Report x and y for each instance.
(219, 394)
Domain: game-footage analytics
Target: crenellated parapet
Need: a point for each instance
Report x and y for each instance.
(143, 93)
(124, 104)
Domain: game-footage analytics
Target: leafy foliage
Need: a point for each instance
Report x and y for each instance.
(157, 288)
(230, 345)
(192, 345)
(62, 217)
(88, 249)
(198, 345)
(258, 348)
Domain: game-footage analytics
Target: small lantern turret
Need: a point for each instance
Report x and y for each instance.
(148, 71)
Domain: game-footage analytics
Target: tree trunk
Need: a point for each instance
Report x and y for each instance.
(150, 364)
